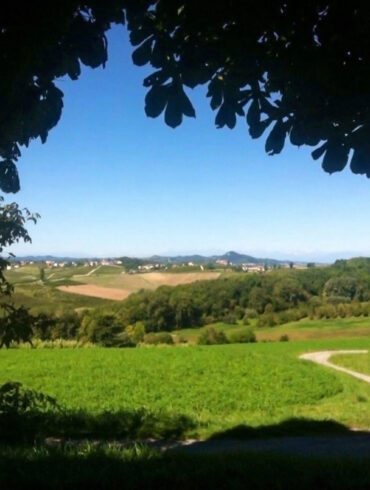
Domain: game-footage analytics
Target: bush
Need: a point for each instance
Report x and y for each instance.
(211, 336)
(136, 332)
(284, 338)
(103, 329)
(335, 300)
(209, 319)
(246, 321)
(158, 338)
(243, 337)
(230, 319)
(250, 313)
(266, 320)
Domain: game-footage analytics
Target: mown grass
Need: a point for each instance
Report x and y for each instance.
(356, 362)
(335, 328)
(318, 329)
(137, 468)
(209, 390)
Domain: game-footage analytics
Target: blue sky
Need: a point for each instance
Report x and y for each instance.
(109, 182)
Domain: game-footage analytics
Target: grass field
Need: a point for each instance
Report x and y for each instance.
(336, 328)
(192, 391)
(359, 363)
(48, 299)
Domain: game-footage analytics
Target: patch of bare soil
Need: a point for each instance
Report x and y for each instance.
(97, 291)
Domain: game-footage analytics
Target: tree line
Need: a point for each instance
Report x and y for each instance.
(272, 298)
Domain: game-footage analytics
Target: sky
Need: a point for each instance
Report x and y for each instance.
(110, 182)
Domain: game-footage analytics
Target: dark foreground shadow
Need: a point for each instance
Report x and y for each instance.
(140, 424)
(110, 468)
(291, 427)
(296, 453)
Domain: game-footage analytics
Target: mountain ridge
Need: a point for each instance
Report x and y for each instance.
(230, 256)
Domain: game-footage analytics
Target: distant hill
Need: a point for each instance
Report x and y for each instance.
(231, 256)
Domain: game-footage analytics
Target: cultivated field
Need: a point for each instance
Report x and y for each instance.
(106, 282)
(129, 283)
(97, 291)
(193, 391)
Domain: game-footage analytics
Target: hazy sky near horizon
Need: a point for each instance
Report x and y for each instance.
(110, 181)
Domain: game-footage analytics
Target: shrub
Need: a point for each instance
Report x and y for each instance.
(136, 332)
(284, 338)
(158, 338)
(230, 319)
(102, 329)
(209, 319)
(246, 321)
(266, 320)
(243, 337)
(250, 313)
(211, 336)
(335, 300)
(65, 326)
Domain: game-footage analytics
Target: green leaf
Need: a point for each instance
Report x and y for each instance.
(276, 139)
(318, 152)
(185, 104)
(142, 54)
(173, 114)
(139, 35)
(360, 163)
(215, 91)
(258, 129)
(9, 180)
(225, 116)
(156, 100)
(157, 78)
(336, 157)
(253, 114)
(297, 135)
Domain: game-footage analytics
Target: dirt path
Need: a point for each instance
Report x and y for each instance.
(92, 272)
(322, 357)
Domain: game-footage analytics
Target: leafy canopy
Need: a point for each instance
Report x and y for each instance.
(298, 71)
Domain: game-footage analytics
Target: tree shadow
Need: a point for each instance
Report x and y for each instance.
(123, 424)
(293, 427)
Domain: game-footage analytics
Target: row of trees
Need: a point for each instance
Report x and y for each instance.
(242, 296)
(274, 298)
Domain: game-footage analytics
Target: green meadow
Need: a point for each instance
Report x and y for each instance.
(192, 391)
(356, 362)
(336, 328)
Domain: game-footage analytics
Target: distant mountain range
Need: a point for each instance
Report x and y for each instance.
(232, 257)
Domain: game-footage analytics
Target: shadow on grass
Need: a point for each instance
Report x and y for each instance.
(290, 427)
(140, 424)
(109, 468)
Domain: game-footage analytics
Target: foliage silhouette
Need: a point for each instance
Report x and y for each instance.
(298, 68)
(102, 466)
(27, 415)
(15, 323)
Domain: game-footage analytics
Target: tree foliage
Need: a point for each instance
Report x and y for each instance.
(297, 69)
(15, 323)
